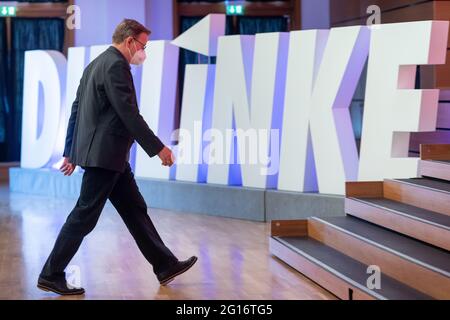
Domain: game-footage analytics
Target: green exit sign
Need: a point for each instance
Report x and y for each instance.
(7, 11)
(235, 10)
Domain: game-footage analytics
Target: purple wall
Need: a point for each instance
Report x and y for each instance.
(159, 19)
(316, 14)
(100, 17)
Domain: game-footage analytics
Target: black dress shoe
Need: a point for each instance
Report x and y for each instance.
(180, 267)
(58, 286)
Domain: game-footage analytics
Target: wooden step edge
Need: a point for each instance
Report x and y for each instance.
(435, 151)
(416, 274)
(412, 226)
(418, 196)
(364, 189)
(289, 228)
(320, 273)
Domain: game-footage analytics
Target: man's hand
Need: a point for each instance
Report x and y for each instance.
(67, 168)
(166, 157)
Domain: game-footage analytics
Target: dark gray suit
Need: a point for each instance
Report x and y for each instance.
(103, 124)
(105, 118)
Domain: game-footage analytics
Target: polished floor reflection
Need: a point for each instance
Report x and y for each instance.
(234, 262)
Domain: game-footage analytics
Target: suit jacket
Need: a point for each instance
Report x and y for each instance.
(105, 118)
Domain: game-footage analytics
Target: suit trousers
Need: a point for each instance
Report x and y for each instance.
(99, 185)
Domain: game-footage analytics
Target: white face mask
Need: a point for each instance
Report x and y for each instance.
(139, 56)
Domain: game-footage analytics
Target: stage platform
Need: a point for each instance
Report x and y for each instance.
(209, 199)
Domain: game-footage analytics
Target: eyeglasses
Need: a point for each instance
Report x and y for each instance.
(143, 45)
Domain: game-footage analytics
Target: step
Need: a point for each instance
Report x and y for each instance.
(435, 151)
(439, 169)
(341, 275)
(425, 193)
(413, 262)
(418, 223)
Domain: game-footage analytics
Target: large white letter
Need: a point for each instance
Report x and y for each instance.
(197, 97)
(250, 93)
(42, 108)
(297, 168)
(158, 91)
(334, 144)
(324, 68)
(392, 108)
(195, 119)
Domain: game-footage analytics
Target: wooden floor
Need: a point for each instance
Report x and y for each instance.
(234, 260)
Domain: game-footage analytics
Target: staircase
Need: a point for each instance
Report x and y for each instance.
(397, 227)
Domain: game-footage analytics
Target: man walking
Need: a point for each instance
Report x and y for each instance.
(103, 125)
